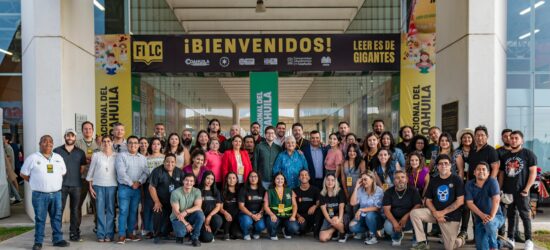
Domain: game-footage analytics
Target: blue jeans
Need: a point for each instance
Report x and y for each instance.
(388, 228)
(105, 204)
(292, 227)
(371, 221)
(486, 234)
(128, 202)
(44, 204)
(246, 223)
(196, 219)
(147, 209)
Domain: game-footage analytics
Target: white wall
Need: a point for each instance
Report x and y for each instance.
(471, 66)
(58, 70)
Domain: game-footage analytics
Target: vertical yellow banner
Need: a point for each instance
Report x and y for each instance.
(113, 83)
(417, 98)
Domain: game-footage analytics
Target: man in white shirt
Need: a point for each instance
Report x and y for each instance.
(44, 171)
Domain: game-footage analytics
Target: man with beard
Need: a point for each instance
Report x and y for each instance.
(255, 132)
(378, 127)
(518, 172)
(483, 198)
(298, 133)
(281, 131)
(343, 131)
(44, 171)
(160, 132)
(501, 151)
(505, 137)
(434, 134)
(444, 200)
(75, 161)
(186, 138)
(235, 130)
(249, 145)
(398, 203)
(406, 133)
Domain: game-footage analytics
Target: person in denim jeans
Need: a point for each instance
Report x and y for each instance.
(187, 216)
(398, 203)
(131, 169)
(44, 171)
(280, 208)
(102, 185)
(369, 198)
(251, 207)
(483, 198)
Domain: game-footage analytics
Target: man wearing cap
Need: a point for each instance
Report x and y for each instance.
(75, 161)
(44, 171)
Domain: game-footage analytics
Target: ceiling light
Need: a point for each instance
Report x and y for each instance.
(527, 34)
(99, 6)
(260, 7)
(525, 11)
(6, 52)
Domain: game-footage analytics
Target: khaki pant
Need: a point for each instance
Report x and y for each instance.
(449, 230)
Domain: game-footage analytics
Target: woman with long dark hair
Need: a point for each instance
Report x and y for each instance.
(174, 147)
(230, 208)
(251, 208)
(211, 206)
(280, 208)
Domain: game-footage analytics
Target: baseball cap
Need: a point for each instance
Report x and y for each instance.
(70, 130)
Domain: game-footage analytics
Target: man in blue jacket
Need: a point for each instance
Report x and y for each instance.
(315, 155)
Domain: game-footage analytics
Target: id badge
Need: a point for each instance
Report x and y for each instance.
(331, 211)
(49, 167)
(171, 188)
(349, 181)
(281, 208)
(241, 171)
(385, 186)
(89, 151)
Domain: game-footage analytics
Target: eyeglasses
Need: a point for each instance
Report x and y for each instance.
(132, 143)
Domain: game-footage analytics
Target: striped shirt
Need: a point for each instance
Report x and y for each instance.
(131, 168)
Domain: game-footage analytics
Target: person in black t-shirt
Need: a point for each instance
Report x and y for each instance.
(398, 203)
(163, 180)
(518, 172)
(505, 137)
(444, 200)
(406, 133)
(332, 203)
(483, 152)
(251, 200)
(307, 197)
(211, 205)
(230, 208)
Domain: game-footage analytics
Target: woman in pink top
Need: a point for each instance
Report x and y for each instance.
(214, 161)
(335, 158)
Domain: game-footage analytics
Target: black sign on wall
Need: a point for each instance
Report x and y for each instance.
(449, 118)
(231, 53)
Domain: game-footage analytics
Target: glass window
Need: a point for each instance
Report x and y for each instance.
(541, 142)
(542, 36)
(519, 34)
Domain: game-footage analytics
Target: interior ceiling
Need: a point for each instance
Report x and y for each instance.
(281, 16)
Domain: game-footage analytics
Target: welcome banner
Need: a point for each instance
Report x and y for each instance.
(113, 83)
(277, 52)
(417, 98)
(264, 98)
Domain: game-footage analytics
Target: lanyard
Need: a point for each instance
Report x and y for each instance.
(49, 159)
(416, 178)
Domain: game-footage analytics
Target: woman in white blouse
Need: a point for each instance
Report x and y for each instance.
(103, 184)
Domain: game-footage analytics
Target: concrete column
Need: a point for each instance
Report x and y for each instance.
(471, 62)
(236, 118)
(58, 70)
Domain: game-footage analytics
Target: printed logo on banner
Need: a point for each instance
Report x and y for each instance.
(300, 61)
(326, 60)
(270, 61)
(247, 61)
(147, 52)
(197, 62)
(224, 62)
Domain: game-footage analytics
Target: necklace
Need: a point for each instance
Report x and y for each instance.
(401, 196)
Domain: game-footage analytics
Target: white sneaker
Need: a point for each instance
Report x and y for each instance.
(344, 239)
(371, 240)
(287, 236)
(358, 236)
(513, 243)
(247, 237)
(274, 238)
(396, 243)
(255, 236)
(529, 245)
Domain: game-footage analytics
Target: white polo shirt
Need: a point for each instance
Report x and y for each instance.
(46, 175)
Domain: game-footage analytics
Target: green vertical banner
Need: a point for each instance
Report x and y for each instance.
(264, 98)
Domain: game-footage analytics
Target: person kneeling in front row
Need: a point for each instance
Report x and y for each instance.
(187, 216)
(280, 207)
(368, 217)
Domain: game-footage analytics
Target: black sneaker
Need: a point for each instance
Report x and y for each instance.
(196, 243)
(179, 240)
(61, 243)
(37, 246)
(156, 240)
(75, 238)
(226, 237)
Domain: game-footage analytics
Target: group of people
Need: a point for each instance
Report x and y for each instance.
(235, 188)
